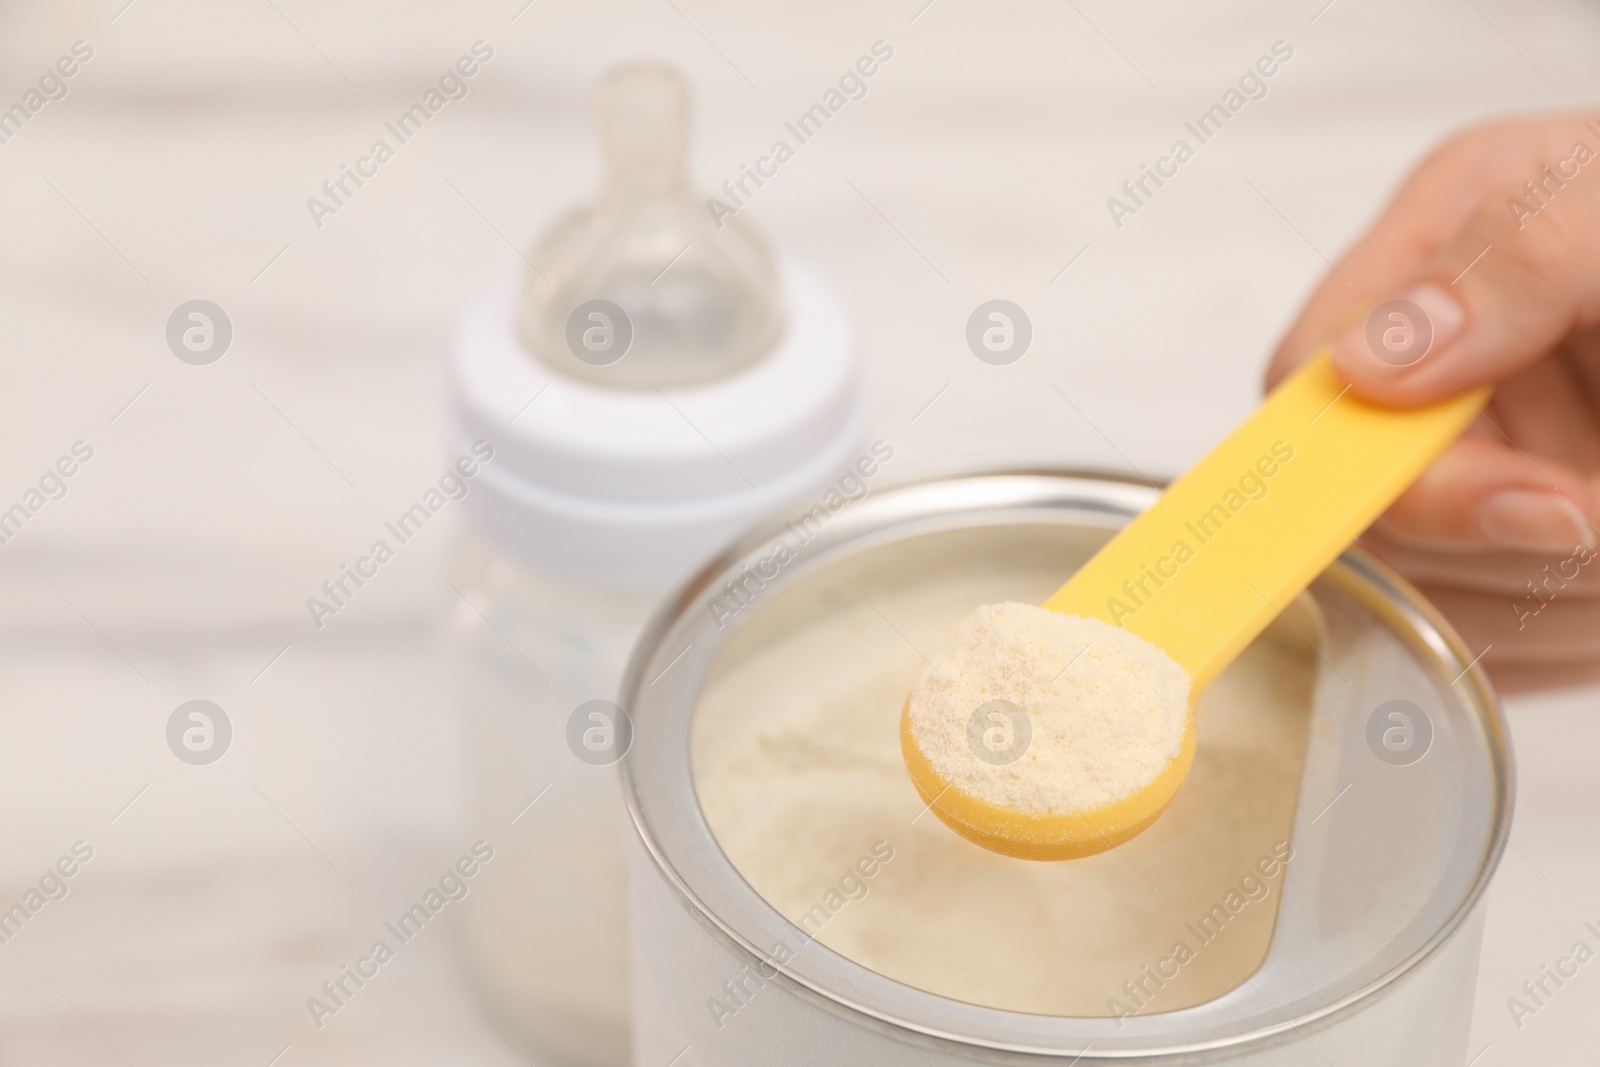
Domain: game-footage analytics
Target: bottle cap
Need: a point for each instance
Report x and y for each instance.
(663, 385)
(635, 488)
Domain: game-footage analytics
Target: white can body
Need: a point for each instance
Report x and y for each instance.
(680, 963)
(1373, 955)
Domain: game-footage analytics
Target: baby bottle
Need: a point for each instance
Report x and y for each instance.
(654, 382)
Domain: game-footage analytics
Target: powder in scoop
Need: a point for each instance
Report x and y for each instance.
(1048, 712)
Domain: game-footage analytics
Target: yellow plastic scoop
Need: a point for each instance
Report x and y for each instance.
(1205, 569)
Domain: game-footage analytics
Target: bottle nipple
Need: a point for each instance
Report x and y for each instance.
(643, 288)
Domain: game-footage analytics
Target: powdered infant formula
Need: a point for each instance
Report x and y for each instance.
(797, 765)
(1048, 712)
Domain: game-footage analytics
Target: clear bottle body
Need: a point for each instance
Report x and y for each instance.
(547, 934)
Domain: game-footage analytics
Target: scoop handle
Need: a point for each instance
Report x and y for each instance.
(1204, 570)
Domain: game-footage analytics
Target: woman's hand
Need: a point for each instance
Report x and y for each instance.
(1492, 247)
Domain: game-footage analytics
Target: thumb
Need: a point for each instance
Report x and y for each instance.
(1521, 273)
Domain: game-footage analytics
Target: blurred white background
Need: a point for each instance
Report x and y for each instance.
(220, 497)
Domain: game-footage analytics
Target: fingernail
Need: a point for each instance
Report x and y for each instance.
(1398, 333)
(1528, 521)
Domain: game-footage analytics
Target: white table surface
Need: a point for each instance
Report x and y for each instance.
(177, 566)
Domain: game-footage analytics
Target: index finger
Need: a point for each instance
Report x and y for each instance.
(1430, 206)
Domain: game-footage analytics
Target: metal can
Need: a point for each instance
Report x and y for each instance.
(1372, 959)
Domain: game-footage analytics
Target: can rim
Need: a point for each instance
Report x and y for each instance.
(1357, 572)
